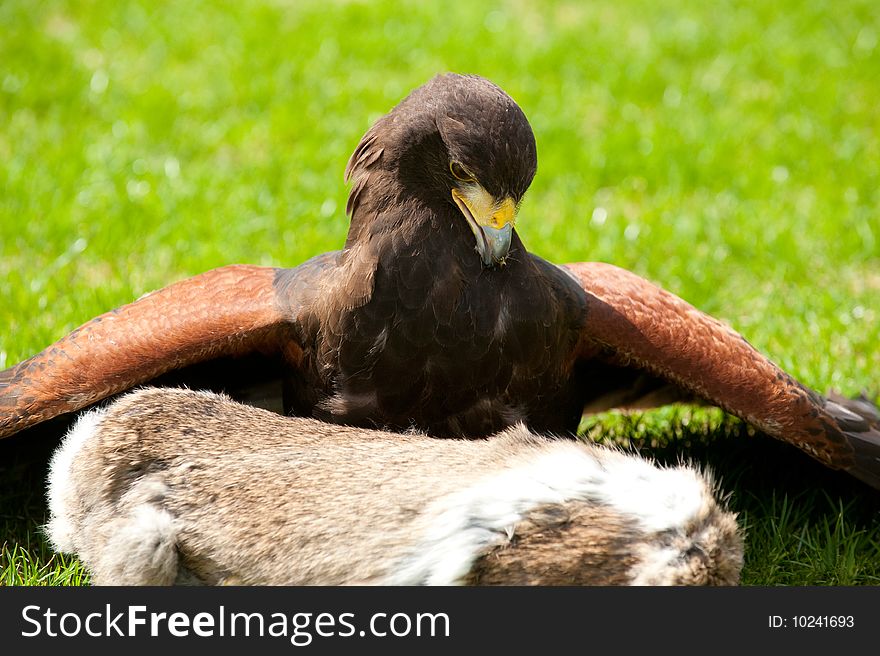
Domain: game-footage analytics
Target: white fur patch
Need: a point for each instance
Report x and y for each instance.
(655, 566)
(660, 499)
(142, 548)
(62, 494)
(467, 523)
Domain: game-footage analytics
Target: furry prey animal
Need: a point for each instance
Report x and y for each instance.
(176, 486)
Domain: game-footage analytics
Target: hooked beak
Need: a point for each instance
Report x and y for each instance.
(491, 221)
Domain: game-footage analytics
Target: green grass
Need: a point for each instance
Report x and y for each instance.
(728, 151)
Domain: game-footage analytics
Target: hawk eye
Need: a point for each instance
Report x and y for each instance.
(460, 173)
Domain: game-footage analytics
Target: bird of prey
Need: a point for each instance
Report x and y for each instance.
(434, 316)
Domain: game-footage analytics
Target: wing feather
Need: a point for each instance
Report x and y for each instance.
(643, 326)
(228, 311)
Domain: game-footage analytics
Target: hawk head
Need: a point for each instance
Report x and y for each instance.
(457, 142)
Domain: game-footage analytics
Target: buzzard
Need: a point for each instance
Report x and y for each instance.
(434, 315)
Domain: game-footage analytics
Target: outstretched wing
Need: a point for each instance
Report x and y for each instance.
(230, 311)
(637, 324)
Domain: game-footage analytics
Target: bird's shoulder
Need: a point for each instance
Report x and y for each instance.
(300, 289)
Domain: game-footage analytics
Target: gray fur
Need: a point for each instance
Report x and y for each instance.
(169, 485)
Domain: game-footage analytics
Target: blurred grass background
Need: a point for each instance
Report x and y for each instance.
(729, 151)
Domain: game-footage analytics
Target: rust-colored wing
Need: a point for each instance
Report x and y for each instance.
(225, 312)
(637, 324)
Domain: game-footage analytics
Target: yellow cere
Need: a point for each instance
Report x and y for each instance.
(505, 213)
(485, 209)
